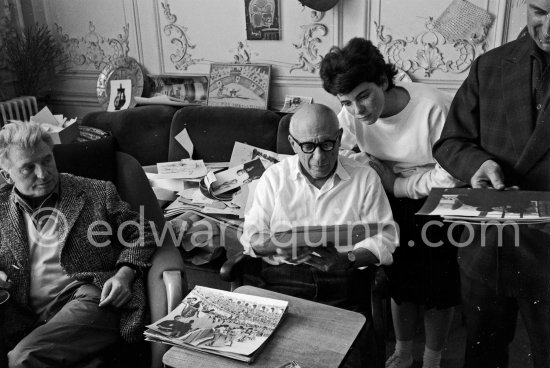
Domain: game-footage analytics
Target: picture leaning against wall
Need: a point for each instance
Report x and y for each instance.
(239, 85)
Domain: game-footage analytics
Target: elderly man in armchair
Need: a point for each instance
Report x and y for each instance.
(72, 256)
(317, 187)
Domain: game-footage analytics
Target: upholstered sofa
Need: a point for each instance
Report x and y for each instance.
(147, 133)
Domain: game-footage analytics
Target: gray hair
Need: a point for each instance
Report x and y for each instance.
(21, 135)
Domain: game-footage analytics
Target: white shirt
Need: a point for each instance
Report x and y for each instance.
(404, 141)
(285, 198)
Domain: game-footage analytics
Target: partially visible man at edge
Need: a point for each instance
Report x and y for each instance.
(73, 293)
(318, 187)
(496, 136)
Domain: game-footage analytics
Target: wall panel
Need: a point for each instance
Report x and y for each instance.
(183, 37)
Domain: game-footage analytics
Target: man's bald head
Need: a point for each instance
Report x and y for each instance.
(315, 138)
(312, 120)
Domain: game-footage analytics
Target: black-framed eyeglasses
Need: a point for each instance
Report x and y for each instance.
(309, 147)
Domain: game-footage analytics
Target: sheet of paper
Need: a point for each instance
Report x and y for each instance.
(185, 141)
(243, 153)
(183, 169)
(45, 116)
(237, 176)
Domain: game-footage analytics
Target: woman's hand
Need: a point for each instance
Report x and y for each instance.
(386, 174)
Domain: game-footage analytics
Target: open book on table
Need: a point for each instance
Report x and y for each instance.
(488, 205)
(219, 322)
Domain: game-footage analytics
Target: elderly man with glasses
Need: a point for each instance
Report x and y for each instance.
(317, 187)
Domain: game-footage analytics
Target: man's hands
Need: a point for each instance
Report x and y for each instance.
(117, 291)
(324, 258)
(329, 259)
(489, 175)
(386, 174)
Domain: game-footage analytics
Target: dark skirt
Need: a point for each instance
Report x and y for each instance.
(420, 273)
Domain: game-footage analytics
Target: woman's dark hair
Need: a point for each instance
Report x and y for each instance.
(359, 61)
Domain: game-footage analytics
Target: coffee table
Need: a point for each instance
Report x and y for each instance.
(312, 334)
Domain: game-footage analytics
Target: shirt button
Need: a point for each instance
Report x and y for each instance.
(539, 106)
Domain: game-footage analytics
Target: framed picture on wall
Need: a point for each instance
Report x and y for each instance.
(239, 85)
(262, 19)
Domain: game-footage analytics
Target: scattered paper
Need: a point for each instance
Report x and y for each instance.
(183, 169)
(243, 153)
(293, 103)
(237, 175)
(185, 141)
(45, 116)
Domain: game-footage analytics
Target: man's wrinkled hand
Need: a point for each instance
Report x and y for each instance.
(329, 259)
(489, 175)
(117, 291)
(386, 174)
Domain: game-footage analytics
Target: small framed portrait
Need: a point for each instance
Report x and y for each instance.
(239, 85)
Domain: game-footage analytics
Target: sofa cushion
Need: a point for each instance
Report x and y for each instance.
(214, 130)
(91, 159)
(142, 131)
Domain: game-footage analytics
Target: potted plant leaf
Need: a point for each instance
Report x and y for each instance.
(34, 57)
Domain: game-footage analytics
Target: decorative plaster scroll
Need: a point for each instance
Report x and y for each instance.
(241, 53)
(91, 49)
(431, 51)
(308, 57)
(181, 58)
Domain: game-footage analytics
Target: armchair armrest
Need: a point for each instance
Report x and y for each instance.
(174, 288)
(232, 269)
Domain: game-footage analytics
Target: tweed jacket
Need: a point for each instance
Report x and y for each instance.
(493, 117)
(82, 201)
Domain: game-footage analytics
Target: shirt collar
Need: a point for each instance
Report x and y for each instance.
(27, 205)
(340, 171)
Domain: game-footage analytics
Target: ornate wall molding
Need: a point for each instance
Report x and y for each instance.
(430, 51)
(93, 48)
(181, 59)
(309, 59)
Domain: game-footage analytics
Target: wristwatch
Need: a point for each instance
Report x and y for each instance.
(351, 258)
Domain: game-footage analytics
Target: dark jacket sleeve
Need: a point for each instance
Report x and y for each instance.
(458, 149)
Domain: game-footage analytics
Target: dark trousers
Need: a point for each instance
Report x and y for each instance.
(491, 324)
(344, 289)
(73, 334)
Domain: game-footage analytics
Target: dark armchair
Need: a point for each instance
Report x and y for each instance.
(98, 159)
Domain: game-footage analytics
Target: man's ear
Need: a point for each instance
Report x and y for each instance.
(6, 176)
(294, 145)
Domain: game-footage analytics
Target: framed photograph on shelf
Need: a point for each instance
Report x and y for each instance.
(239, 85)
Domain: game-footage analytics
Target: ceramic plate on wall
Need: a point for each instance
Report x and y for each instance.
(124, 68)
